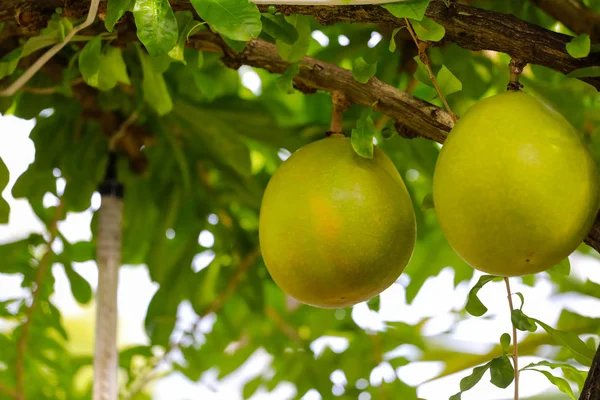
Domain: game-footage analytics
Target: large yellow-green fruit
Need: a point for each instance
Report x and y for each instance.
(335, 228)
(514, 188)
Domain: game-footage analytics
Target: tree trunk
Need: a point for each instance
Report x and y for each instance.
(591, 389)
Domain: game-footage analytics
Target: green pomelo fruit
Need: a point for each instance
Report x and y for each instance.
(335, 228)
(514, 188)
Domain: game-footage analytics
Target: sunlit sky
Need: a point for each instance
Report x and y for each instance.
(436, 299)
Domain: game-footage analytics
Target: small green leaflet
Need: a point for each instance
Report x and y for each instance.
(429, 30)
(8, 63)
(560, 383)
(413, 9)
(392, 47)
(522, 322)
(153, 84)
(4, 207)
(579, 47)
(296, 51)
(362, 135)
(363, 71)
(447, 82)
(502, 372)
(427, 203)
(520, 295)
(470, 381)
(592, 72)
(102, 70)
(505, 342)
(156, 25)
(252, 386)
(187, 27)
(581, 352)
(278, 28)
(285, 81)
(562, 268)
(115, 10)
(81, 289)
(474, 306)
(235, 19)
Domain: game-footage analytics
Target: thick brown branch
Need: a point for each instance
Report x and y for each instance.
(591, 389)
(469, 27)
(417, 115)
(574, 15)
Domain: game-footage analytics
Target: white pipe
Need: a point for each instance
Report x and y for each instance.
(324, 2)
(108, 258)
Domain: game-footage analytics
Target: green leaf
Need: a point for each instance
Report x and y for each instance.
(156, 25)
(392, 47)
(235, 19)
(427, 204)
(502, 372)
(505, 342)
(579, 47)
(429, 30)
(363, 71)
(474, 306)
(470, 381)
(81, 289)
(4, 207)
(8, 63)
(522, 322)
(187, 27)
(591, 72)
(560, 383)
(155, 89)
(81, 251)
(296, 52)
(581, 352)
(114, 65)
(447, 82)
(414, 9)
(277, 27)
(34, 183)
(362, 135)
(115, 10)
(562, 268)
(89, 61)
(251, 386)
(522, 298)
(285, 81)
(374, 303)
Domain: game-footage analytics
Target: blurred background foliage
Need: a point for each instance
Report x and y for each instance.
(202, 167)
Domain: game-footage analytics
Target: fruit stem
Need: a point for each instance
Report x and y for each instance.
(516, 69)
(515, 355)
(422, 47)
(340, 104)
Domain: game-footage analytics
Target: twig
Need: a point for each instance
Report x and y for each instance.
(50, 90)
(515, 354)
(8, 392)
(422, 47)
(40, 62)
(41, 274)
(214, 307)
(516, 69)
(114, 141)
(340, 104)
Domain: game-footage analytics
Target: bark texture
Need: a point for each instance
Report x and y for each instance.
(591, 389)
(469, 27)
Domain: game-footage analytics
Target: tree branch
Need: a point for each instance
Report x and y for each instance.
(469, 27)
(422, 118)
(591, 389)
(574, 15)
